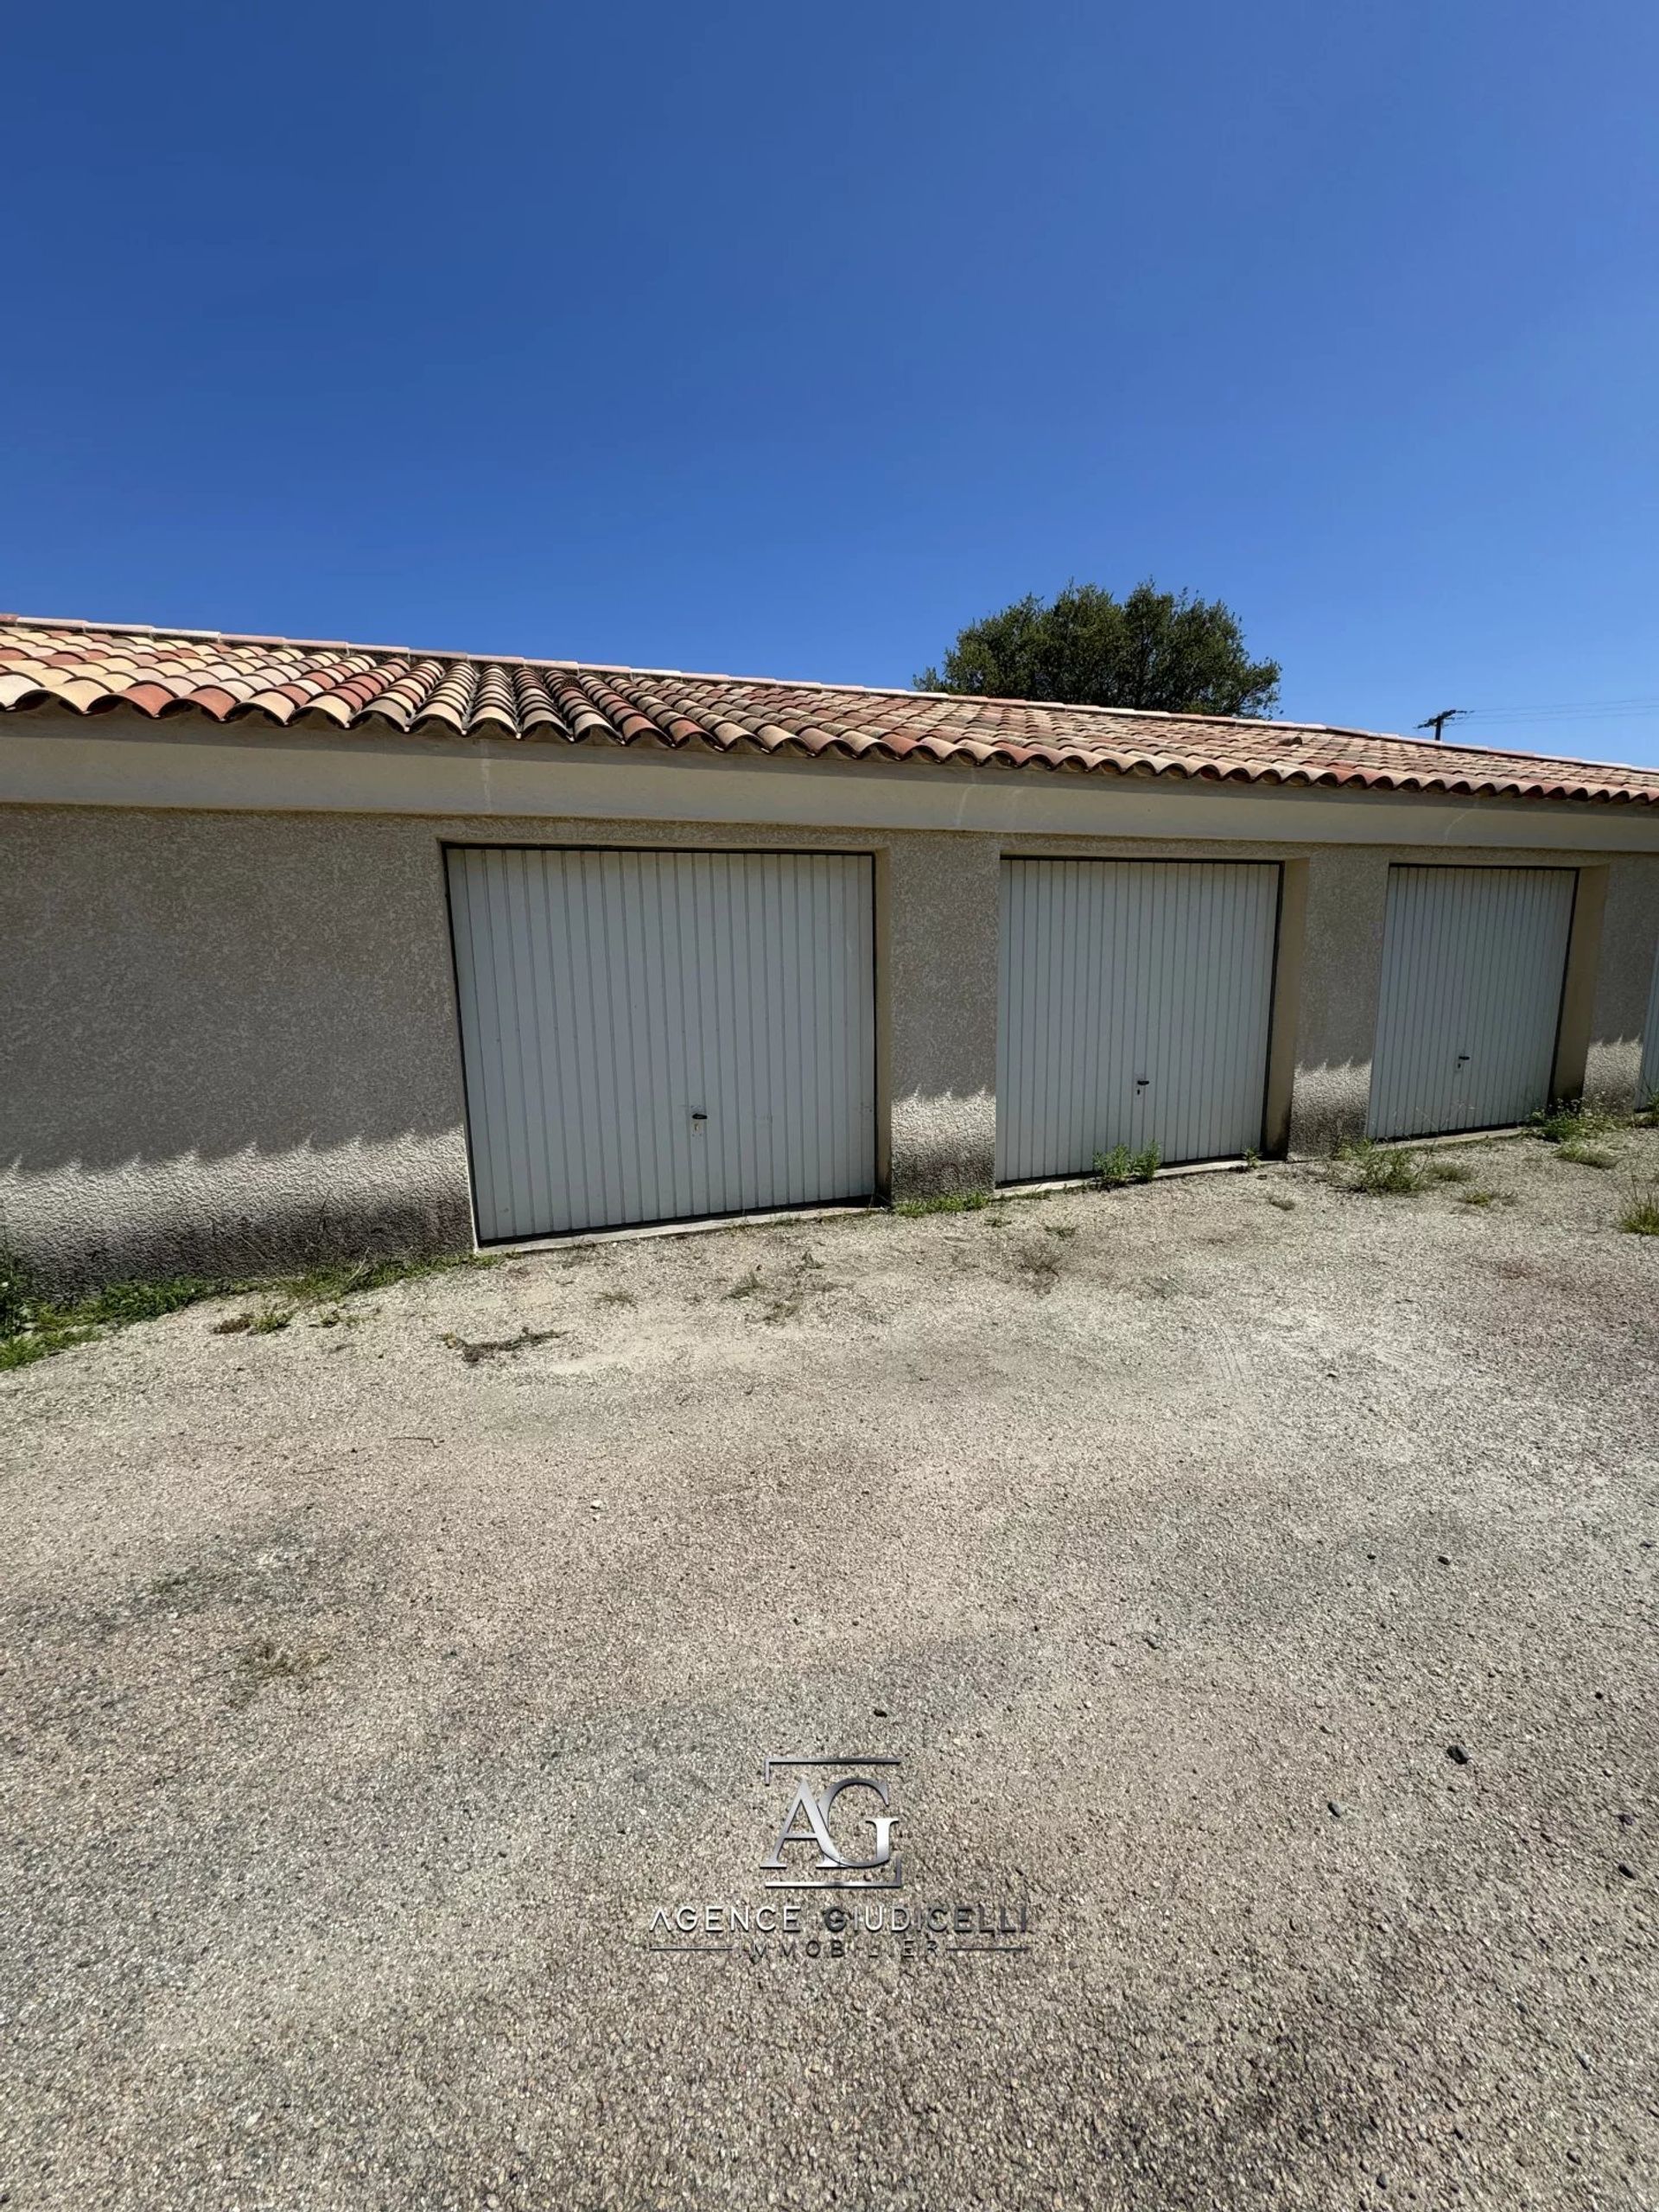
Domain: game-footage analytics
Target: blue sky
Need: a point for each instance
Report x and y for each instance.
(786, 341)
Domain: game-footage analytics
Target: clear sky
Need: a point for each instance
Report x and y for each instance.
(781, 339)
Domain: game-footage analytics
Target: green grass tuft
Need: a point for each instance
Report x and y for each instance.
(1572, 1122)
(1120, 1165)
(122, 1302)
(16, 1296)
(23, 1350)
(1640, 1217)
(327, 1285)
(1450, 1170)
(946, 1202)
(34, 1325)
(1381, 1171)
(1579, 1154)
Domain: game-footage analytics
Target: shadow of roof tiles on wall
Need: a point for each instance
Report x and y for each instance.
(264, 683)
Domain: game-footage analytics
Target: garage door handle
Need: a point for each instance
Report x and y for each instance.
(699, 1117)
(1462, 1059)
(1141, 1081)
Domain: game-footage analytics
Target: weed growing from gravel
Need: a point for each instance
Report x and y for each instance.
(1450, 1170)
(34, 1324)
(949, 1202)
(327, 1286)
(1283, 1200)
(786, 1301)
(15, 1294)
(1041, 1266)
(1580, 1155)
(617, 1297)
(1572, 1124)
(1120, 1165)
(1381, 1170)
(21, 1351)
(1640, 1217)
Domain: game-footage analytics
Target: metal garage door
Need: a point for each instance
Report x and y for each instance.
(653, 1036)
(1650, 1044)
(1473, 963)
(1136, 1002)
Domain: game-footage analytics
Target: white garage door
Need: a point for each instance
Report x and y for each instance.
(653, 1036)
(1136, 1002)
(1473, 963)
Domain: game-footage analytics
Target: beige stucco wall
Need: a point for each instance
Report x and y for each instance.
(1624, 969)
(1342, 977)
(230, 1042)
(941, 924)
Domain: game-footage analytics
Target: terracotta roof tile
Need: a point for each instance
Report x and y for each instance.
(257, 682)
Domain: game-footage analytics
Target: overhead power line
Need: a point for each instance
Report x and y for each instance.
(1586, 710)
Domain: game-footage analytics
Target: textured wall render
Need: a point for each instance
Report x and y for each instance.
(944, 910)
(1341, 974)
(1626, 999)
(228, 1040)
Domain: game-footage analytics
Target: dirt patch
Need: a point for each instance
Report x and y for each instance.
(472, 1351)
(1175, 1540)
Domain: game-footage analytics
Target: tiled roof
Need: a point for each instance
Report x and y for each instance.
(266, 682)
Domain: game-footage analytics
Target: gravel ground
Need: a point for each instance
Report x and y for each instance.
(1255, 1580)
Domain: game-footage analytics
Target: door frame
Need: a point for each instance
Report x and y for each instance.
(1284, 975)
(1578, 948)
(667, 848)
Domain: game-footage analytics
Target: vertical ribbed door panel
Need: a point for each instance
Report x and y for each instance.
(656, 1036)
(1136, 1001)
(1473, 963)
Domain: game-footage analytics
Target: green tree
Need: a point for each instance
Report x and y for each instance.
(1166, 652)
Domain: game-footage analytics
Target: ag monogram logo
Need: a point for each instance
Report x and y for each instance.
(827, 1818)
(838, 1823)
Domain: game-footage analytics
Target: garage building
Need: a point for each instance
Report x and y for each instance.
(317, 948)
